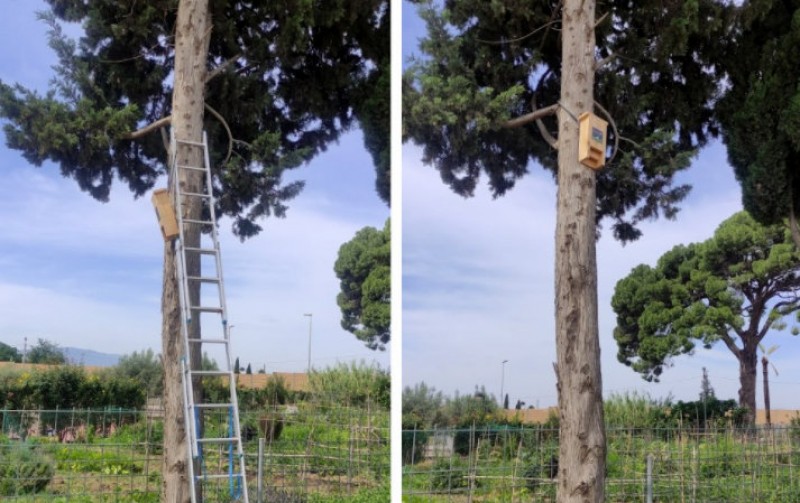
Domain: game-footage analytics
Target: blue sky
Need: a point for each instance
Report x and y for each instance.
(85, 274)
(478, 282)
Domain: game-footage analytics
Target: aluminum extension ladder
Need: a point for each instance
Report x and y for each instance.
(193, 412)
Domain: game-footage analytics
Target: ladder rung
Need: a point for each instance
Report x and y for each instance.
(193, 168)
(210, 372)
(195, 194)
(209, 341)
(216, 476)
(190, 142)
(213, 405)
(206, 309)
(222, 440)
(204, 279)
(193, 221)
(202, 251)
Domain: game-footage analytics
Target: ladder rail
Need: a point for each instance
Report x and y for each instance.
(223, 304)
(193, 409)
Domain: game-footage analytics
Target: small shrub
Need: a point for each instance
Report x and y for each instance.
(536, 472)
(413, 445)
(447, 474)
(24, 471)
(271, 427)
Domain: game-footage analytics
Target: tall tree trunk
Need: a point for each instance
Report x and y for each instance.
(582, 445)
(765, 365)
(191, 54)
(748, 364)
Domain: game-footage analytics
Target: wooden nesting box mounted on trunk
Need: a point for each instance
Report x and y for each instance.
(165, 214)
(592, 143)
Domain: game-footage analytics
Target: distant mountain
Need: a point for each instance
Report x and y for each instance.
(91, 358)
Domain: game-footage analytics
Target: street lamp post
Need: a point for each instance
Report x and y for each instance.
(310, 317)
(502, 383)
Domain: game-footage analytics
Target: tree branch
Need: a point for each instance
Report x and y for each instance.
(221, 68)
(227, 129)
(532, 116)
(519, 39)
(770, 320)
(135, 135)
(165, 139)
(730, 343)
(602, 62)
(614, 127)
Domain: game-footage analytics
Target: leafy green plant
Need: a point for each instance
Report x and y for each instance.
(450, 473)
(538, 471)
(23, 471)
(353, 384)
(413, 445)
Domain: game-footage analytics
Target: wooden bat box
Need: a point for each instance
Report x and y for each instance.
(592, 142)
(165, 214)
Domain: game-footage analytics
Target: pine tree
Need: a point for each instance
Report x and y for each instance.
(760, 112)
(706, 391)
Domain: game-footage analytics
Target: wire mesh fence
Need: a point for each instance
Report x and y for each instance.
(510, 464)
(309, 451)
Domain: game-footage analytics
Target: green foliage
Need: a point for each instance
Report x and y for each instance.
(718, 465)
(484, 63)
(353, 384)
(295, 80)
(208, 363)
(413, 445)
(734, 287)
(706, 390)
(449, 474)
(709, 413)
(369, 495)
(46, 352)
(760, 113)
(144, 368)
(92, 460)
(468, 410)
(23, 470)
(9, 353)
(422, 407)
(363, 268)
(537, 471)
(273, 394)
(66, 387)
(637, 411)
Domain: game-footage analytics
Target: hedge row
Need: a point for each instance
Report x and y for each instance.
(68, 386)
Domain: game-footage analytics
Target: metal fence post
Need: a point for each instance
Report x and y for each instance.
(650, 459)
(260, 476)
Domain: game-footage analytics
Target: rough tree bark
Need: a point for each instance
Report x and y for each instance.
(582, 446)
(748, 368)
(192, 34)
(765, 365)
